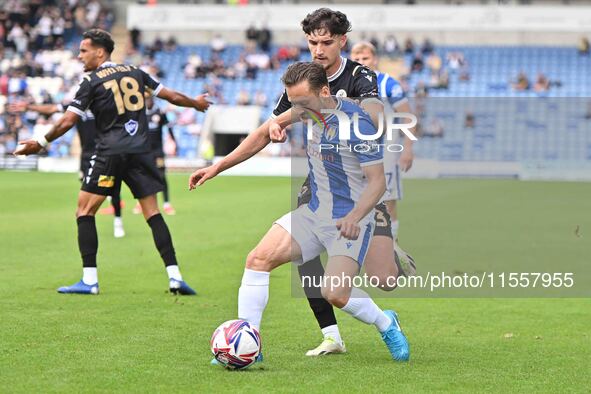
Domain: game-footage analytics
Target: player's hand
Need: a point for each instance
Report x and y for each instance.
(277, 133)
(349, 227)
(19, 106)
(28, 147)
(202, 102)
(200, 176)
(406, 158)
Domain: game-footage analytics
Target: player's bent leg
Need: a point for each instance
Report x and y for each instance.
(275, 248)
(88, 204)
(163, 242)
(380, 262)
(311, 274)
(357, 303)
(322, 309)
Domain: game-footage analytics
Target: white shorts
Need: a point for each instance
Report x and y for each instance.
(314, 235)
(393, 183)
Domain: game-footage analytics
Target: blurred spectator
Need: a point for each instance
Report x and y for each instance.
(469, 121)
(252, 34)
(583, 46)
(464, 72)
(455, 60)
(288, 53)
(264, 39)
(243, 98)
(522, 83)
(409, 46)
(434, 129)
(391, 47)
(260, 99)
(193, 64)
(417, 63)
(542, 84)
(421, 90)
(427, 47)
(217, 44)
(434, 62)
(439, 80)
(170, 44)
(135, 36)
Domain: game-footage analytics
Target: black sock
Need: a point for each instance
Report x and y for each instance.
(162, 239)
(165, 191)
(116, 202)
(87, 240)
(323, 311)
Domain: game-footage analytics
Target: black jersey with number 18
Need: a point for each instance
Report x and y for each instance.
(115, 95)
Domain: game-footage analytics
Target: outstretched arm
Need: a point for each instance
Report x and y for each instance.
(32, 146)
(200, 102)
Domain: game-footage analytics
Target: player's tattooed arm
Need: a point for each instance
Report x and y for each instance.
(376, 186)
(252, 144)
(200, 103)
(33, 146)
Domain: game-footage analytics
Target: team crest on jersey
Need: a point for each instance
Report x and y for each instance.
(341, 93)
(131, 127)
(331, 132)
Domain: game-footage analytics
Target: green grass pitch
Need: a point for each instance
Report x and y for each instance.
(135, 337)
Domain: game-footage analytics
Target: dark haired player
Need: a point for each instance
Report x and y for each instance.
(87, 134)
(326, 33)
(115, 95)
(156, 121)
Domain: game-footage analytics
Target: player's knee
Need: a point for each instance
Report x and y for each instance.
(386, 283)
(335, 297)
(259, 260)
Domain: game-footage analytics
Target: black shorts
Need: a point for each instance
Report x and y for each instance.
(160, 163)
(382, 217)
(84, 165)
(137, 170)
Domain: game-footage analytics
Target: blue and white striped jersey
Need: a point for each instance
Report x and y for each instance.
(390, 88)
(335, 166)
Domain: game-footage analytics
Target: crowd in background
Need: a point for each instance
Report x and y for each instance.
(38, 62)
(38, 43)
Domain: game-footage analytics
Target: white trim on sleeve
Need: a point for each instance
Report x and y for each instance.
(76, 111)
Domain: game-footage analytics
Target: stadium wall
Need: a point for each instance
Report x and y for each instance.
(286, 166)
(488, 24)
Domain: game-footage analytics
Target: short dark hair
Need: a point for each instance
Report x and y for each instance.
(305, 71)
(100, 38)
(334, 22)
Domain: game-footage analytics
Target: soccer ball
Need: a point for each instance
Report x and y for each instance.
(236, 344)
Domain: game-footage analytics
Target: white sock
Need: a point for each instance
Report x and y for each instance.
(253, 296)
(362, 308)
(174, 272)
(395, 225)
(89, 275)
(332, 332)
(118, 221)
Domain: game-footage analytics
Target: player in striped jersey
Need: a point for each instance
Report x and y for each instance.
(394, 162)
(326, 32)
(346, 184)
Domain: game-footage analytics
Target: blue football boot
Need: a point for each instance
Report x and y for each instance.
(79, 288)
(395, 340)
